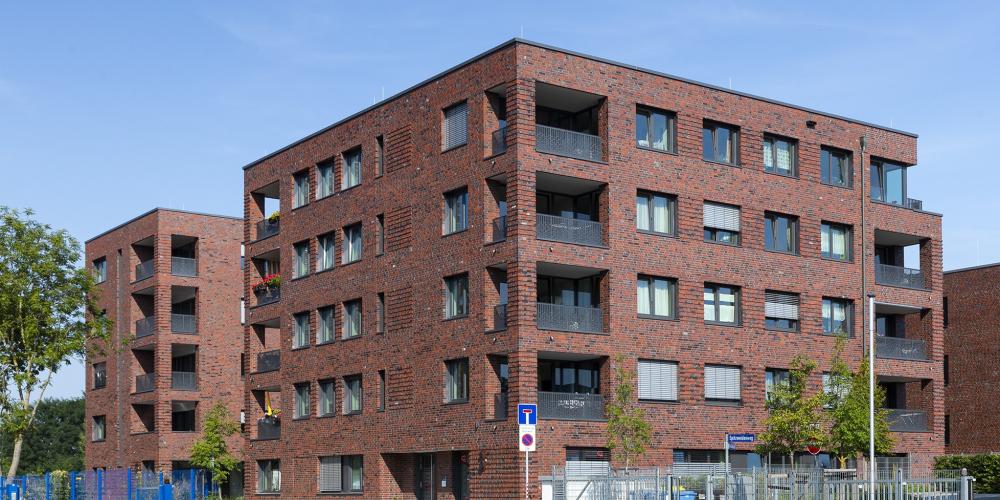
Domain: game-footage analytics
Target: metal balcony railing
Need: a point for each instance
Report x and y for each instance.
(904, 420)
(570, 406)
(499, 140)
(900, 348)
(144, 270)
(566, 230)
(567, 143)
(500, 228)
(500, 406)
(914, 204)
(569, 318)
(145, 326)
(184, 381)
(145, 382)
(899, 276)
(500, 317)
(269, 428)
(183, 323)
(269, 361)
(267, 295)
(266, 228)
(183, 266)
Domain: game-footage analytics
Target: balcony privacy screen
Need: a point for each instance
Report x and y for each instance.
(780, 305)
(455, 129)
(329, 474)
(722, 382)
(657, 380)
(725, 217)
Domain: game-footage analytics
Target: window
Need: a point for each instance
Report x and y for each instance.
(837, 317)
(379, 234)
(268, 476)
(379, 156)
(722, 304)
(324, 330)
(100, 375)
(182, 416)
(835, 167)
(780, 156)
(327, 397)
(300, 330)
(352, 394)
(381, 390)
(722, 383)
(944, 312)
(576, 377)
(301, 189)
(455, 128)
(656, 296)
(456, 296)
(302, 400)
(352, 169)
(456, 382)
(655, 213)
(888, 182)
(835, 241)
(101, 270)
(324, 179)
(352, 243)
(720, 143)
(657, 380)
(352, 319)
(772, 377)
(947, 429)
(341, 474)
(722, 223)
(781, 311)
(781, 233)
(656, 129)
(456, 211)
(325, 251)
(97, 428)
(380, 313)
(301, 267)
(946, 374)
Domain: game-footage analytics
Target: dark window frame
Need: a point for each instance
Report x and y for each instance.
(771, 219)
(775, 325)
(738, 309)
(712, 127)
(794, 147)
(848, 321)
(648, 112)
(672, 290)
(449, 381)
(826, 153)
(671, 212)
(824, 229)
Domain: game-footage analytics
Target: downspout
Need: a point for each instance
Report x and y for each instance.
(864, 237)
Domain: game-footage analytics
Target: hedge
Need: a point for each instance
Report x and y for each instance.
(985, 468)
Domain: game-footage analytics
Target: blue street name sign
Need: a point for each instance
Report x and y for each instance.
(741, 438)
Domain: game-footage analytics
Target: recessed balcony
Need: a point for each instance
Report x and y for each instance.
(567, 122)
(569, 387)
(269, 361)
(145, 383)
(569, 298)
(568, 210)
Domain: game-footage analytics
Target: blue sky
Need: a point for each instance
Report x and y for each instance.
(107, 111)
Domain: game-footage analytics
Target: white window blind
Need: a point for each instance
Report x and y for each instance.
(722, 382)
(657, 380)
(780, 305)
(456, 126)
(329, 474)
(718, 216)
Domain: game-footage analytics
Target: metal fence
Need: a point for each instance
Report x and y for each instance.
(183, 323)
(899, 276)
(566, 230)
(183, 266)
(145, 326)
(184, 381)
(569, 318)
(266, 228)
(567, 143)
(113, 484)
(907, 420)
(144, 270)
(267, 295)
(570, 406)
(900, 348)
(145, 382)
(269, 361)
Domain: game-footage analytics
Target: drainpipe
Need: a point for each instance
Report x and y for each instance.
(864, 231)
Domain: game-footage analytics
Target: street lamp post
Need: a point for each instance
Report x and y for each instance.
(871, 395)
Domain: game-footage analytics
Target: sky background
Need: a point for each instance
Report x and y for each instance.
(110, 109)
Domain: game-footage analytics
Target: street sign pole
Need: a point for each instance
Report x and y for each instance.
(726, 482)
(526, 497)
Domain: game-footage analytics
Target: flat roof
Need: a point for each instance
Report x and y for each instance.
(973, 268)
(514, 41)
(160, 209)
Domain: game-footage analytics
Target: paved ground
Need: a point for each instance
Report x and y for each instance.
(990, 496)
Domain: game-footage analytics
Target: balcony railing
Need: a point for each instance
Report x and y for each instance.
(267, 228)
(144, 270)
(183, 266)
(183, 323)
(914, 204)
(145, 326)
(499, 140)
(269, 428)
(500, 228)
(899, 276)
(900, 348)
(268, 295)
(567, 143)
(570, 406)
(904, 420)
(500, 317)
(269, 361)
(569, 318)
(566, 230)
(145, 382)
(184, 381)
(500, 406)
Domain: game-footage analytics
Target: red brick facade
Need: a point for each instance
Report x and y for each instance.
(407, 200)
(970, 335)
(173, 295)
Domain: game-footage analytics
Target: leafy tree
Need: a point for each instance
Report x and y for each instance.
(847, 401)
(211, 452)
(54, 442)
(795, 419)
(628, 431)
(48, 317)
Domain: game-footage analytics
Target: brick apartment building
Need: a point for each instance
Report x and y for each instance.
(971, 336)
(170, 284)
(503, 232)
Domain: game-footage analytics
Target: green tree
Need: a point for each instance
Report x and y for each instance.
(47, 317)
(211, 452)
(794, 420)
(629, 434)
(54, 442)
(847, 401)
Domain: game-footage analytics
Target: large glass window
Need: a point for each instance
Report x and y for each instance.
(302, 401)
(580, 377)
(722, 304)
(456, 211)
(456, 382)
(352, 319)
(341, 474)
(300, 327)
(456, 300)
(268, 476)
(352, 244)
(98, 428)
(101, 270)
(837, 316)
(720, 142)
(300, 189)
(835, 166)
(324, 179)
(781, 233)
(780, 156)
(888, 182)
(835, 241)
(100, 375)
(772, 378)
(352, 394)
(324, 330)
(656, 296)
(325, 251)
(352, 169)
(568, 292)
(655, 129)
(301, 267)
(655, 212)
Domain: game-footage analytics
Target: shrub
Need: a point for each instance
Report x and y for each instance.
(985, 468)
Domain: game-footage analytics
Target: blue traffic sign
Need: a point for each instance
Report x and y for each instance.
(527, 414)
(740, 438)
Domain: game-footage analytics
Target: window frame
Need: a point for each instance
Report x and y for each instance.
(455, 216)
(379, 155)
(327, 324)
(794, 327)
(455, 394)
(825, 232)
(326, 184)
(379, 234)
(350, 392)
(355, 168)
(100, 265)
(348, 234)
(301, 333)
(724, 401)
(382, 389)
(771, 219)
(648, 112)
(650, 197)
(300, 260)
(848, 320)
(272, 465)
(777, 376)
(794, 152)
(712, 127)
(302, 407)
(352, 315)
(826, 153)
(327, 394)
(301, 189)
(380, 312)
(676, 381)
(877, 169)
(98, 422)
(711, 233)
(446, 143)
(737, 304)
(104, 375)
(461, 309)
(672, 297)
(326, 251)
